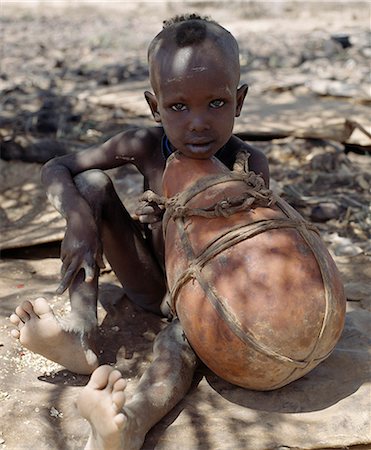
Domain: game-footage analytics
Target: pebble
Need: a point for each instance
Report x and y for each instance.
(343, 39)
(55, 413)
(357, 291)
(347, 250)
(325, 211)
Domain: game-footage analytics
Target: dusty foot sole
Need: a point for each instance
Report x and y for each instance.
(38, 330)
(102, 403)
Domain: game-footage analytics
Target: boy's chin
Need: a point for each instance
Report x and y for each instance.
(196, 152)
(197, 155)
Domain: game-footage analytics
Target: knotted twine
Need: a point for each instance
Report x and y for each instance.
(254, 194)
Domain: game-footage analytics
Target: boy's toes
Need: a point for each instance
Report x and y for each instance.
(120, 420)
(15, 333)
(16, 320)
(113, 377)
(99, 377)
(29, 308)
(41, 306)
(118, 399)
(119, 385)
(22, 313)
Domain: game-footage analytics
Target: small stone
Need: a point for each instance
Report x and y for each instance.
(357, 291)
(325, 211)
(347, 250)
(363, 183)
(342, 39)
(55, 413)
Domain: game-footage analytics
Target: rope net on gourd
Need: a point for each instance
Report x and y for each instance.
(255, 194)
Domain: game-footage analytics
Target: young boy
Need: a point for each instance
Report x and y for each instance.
(194, 73)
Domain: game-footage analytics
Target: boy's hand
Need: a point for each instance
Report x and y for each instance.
(150, 214)
(150, 210)
(81, 249)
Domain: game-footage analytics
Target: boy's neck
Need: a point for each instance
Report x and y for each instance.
(167, 148)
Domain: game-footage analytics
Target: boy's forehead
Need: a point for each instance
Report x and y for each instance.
(171, 62)
(190, 57)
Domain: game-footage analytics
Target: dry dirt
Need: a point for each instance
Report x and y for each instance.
(72, 75)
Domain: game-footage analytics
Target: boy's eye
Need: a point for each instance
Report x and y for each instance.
(178, 107)
(217, 103)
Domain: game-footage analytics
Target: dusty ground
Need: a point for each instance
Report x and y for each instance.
(73, 75)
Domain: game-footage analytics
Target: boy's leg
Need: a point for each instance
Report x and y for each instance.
(130, 259)
(128, 252)
(125, 248)
(119, 425)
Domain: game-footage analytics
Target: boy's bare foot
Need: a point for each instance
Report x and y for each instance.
(39, 331)
(102, 403)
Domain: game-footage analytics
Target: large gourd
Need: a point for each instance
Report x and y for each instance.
(257, 293)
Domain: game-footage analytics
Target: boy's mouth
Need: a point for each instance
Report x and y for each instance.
(199, 147)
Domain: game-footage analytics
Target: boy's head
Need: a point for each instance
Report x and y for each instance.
(191, 31)
(194, 72)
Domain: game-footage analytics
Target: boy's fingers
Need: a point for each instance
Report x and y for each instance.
(149, 209)
(68, 274)
(154, 219)
(154, 225)
(145, 218)
(89, 273)
(144, 210)
(63, 285)
(65, 264)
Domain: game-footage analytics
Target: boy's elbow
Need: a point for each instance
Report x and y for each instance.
(48, 169)
(45, 170)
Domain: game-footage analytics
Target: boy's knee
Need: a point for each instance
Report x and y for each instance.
(93, 185)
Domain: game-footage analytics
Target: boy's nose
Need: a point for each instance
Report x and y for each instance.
(199, 122)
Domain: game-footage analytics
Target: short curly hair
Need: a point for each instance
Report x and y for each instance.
(191, 30)
(184, 18)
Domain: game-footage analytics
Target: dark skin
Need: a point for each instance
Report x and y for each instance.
(195, 101)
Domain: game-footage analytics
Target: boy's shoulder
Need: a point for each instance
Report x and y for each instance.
(229, 152)
(137, 144)
(141, 136)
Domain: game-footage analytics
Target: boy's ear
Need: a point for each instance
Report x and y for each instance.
(153, 104)
(241, 94)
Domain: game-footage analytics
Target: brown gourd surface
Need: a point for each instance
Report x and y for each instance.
(258, 294)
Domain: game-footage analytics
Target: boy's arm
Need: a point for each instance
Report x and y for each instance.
(81, 247)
